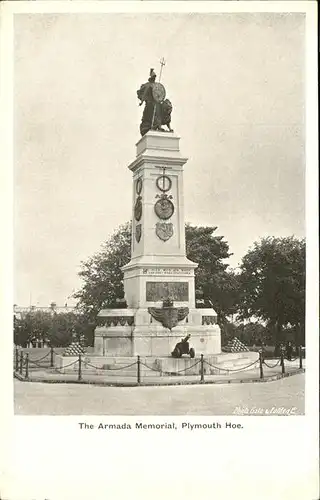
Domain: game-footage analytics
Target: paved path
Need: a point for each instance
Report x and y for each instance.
(33, 398)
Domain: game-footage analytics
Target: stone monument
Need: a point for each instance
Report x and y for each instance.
(161, 323)
(159, 281)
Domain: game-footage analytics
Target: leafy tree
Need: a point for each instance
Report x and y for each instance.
(228, 332)
(272, 283)
(252, 333)
(33, 325)
(56, 329)
(218, 285)
(103, 278)
(102, 275)
(20, 333)
(68, 327)
(61, 329)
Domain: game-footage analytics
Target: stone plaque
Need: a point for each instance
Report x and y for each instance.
(160, 290)
(166, 270)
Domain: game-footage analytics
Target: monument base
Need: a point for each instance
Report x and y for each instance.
(132, 332)
(151, 366)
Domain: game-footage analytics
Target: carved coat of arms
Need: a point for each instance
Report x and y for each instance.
(138, 209)
(164, 230)
(168, 315)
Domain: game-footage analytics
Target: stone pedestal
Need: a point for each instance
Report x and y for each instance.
(158, 268)
(129, 332)
(158, 265)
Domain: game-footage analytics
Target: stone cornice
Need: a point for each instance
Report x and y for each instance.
(148, 158)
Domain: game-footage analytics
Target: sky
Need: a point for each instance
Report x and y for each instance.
(236, 82)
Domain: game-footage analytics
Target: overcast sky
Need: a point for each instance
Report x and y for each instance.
(236, 82)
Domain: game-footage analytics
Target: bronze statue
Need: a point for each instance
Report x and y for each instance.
(157, 110)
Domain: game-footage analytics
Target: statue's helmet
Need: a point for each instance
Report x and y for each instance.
(152, 76)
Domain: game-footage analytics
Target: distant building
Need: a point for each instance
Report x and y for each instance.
(20, 311)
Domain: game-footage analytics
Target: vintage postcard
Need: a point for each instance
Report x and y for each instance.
(159, 271)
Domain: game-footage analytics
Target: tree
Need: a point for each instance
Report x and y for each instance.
(102, 275)
(228, 332)
(103, 278)
(20, 333)
(272, 283)
(33, 325)
(61, 329)
(252, 333)
(68, 327)
(218, 285)
(56, 329)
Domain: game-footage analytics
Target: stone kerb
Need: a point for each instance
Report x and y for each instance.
(121, 366)
(222, 363)
(66, 363)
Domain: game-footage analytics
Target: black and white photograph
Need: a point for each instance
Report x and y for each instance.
(160, 218)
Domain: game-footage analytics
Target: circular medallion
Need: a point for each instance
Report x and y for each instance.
(158, 92)
(164, 183)
(139, 186)
(138, 209)
(164, 208)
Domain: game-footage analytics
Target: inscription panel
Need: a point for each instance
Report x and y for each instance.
(156, 291)
(166, 270)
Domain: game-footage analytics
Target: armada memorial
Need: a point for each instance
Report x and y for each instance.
(161, 323)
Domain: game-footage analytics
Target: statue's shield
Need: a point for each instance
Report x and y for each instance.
(164, 230)
(158, 92)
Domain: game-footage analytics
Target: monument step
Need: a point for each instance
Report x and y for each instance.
(157, 366)
(239, 361)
